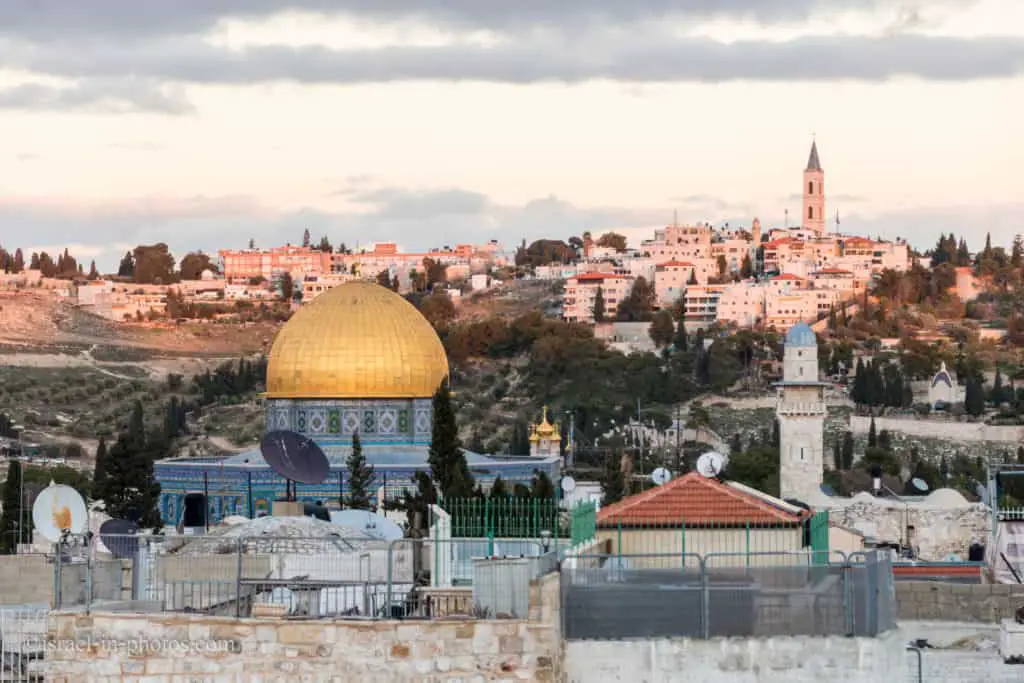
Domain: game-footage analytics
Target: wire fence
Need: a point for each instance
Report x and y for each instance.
(301, 576)
(727, 594)
(22, 643)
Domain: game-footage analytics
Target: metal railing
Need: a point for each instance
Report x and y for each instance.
(727, 594)
(22, 643)
(300, 576)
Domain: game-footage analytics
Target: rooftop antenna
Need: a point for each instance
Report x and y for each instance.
(787, 218)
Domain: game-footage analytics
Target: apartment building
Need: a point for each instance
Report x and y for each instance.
(581, 291)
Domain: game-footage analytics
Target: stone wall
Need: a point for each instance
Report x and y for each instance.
(834, 659)
(26, 580)
(937, 533)
(935, 428)
(936, 601)
(94, 647)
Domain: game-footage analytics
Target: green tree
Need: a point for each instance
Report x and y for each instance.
(747, 267)
(448, 466)
(360, 476)
(723, 265)
(438, 309)
(872, 434)
(499, 491)
(612, 240)
(681, 342)
(974, 397)
(287, 287)
(997, 394)
(662, 330)
(130, 491)
(99, 475)
(541, 486)
(638, 306)
(613, 481)
(599, 308)
(384, 278)
(12, 517)
(193, 264)
(837, 456)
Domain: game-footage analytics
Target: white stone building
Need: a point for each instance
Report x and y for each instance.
(801, 412)
(944, 389)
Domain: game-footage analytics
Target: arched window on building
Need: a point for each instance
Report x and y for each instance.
(810, 212)
(810, 187)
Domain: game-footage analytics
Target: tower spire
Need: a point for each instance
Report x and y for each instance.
(813, 163)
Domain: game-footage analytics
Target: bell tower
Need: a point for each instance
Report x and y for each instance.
(814, 193)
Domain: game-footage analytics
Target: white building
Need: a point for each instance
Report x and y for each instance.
(801, 412)
(944, 389)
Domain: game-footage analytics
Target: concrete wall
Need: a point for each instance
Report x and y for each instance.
(321, 650)
(932, 600)
(939, 429)
(25, 580)
(738, 660)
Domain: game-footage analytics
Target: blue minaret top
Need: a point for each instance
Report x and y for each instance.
(801, 334)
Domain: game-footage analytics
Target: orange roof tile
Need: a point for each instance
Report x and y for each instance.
(786, 276)
(594, 277)
(833, 271)
(695, 500)
(679, 264)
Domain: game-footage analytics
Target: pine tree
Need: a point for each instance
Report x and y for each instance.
(599, 312)
(872, 434)
(997, 388)
(130, 490)
(10, 521)
(681, 342)
(448, 466)
(885, 440)
(613, 483)
(360, 476)
(305, 238)
(747, 267)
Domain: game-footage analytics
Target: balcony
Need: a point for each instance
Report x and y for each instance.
(801, 408)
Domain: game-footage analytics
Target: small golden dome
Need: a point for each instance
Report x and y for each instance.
(356, 340)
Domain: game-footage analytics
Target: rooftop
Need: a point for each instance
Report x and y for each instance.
(697, 500)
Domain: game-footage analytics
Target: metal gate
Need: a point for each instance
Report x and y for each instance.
(22, 643)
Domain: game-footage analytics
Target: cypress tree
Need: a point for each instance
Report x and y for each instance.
(847, 450)
(448, 466)
(974, 398)
(99, 474)
(11, 519)
(872, 434)
(360, 475)
(837, 456)
(541, 486)
(613, 483)
(499, 491)
(599, 312)
(129, 489)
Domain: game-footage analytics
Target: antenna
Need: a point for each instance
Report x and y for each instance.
(296, 458)
(59, 510)
(120, 537)
(661, 476)
(710, 464)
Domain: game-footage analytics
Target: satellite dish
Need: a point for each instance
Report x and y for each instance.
(59, 509)
(568, 484)
(119, 536)
(827, 490)
(660, 476)
(295, 457)
(919, 484)
(377, 526)
(710, 464)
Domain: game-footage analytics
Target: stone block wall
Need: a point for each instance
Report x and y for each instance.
(26, 580)
(936, 601)
(176, 647)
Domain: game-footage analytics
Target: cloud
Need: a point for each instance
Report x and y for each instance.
(106, 96)
(611, 55)
(62, 19)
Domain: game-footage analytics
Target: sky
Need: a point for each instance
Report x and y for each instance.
(207, 123)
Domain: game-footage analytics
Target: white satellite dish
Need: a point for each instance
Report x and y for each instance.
(59, 509)
(568, 484)
(919, 484)
(710, 464)
(371, 524)
(660, 476)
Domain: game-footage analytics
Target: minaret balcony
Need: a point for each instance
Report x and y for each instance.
(801, 409)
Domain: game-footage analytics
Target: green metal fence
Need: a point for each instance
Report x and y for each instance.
(520, 518)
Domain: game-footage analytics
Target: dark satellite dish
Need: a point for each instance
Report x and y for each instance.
(120, 537)
(295, 457)
(827, 490)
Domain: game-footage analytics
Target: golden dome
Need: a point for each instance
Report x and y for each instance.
(356, 340)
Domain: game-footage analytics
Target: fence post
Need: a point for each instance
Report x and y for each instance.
(705, 599)
(847, 607)
(748, 545)
(88, 573)
(238, 582)
(682, 526)
(56, 576)
(618, 542)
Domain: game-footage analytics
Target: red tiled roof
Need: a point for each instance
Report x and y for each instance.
(786, 276)
(833, 271)
(858, 240)
(679, 264)
(596, 277)
(694, 500)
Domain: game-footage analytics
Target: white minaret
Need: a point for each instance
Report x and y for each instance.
(801, 412)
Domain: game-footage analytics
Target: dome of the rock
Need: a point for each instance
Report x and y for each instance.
(357, 340)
